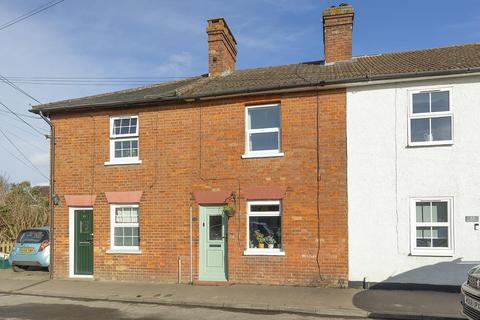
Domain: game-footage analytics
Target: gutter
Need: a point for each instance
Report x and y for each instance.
(267, 89)
(52, 192)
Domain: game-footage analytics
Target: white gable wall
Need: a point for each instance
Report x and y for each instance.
(384, 174)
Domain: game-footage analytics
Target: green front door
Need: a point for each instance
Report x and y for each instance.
(83, 242)
(213, 244)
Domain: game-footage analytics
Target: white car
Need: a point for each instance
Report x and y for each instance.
(471, 294)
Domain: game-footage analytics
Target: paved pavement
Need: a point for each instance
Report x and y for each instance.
(348, 303)
(40, 308)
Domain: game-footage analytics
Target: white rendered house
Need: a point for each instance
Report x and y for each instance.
(414, 180)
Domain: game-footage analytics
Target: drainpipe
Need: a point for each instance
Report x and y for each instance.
(191, 247)
(52, 192)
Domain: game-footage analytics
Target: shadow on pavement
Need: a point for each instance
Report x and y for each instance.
(38, 311)
(405, 294)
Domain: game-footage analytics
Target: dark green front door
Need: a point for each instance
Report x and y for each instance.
(83, 242)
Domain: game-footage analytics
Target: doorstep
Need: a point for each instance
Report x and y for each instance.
(212, 283)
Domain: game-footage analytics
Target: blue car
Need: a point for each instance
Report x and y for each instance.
(32, 249)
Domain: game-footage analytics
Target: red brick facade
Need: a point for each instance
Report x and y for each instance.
(198, 146)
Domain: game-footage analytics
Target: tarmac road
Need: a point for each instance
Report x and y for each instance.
(40, 308)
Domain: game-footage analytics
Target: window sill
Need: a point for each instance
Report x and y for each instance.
(81, 276)
(263, 252)
(119, 163)
(262, 155)
(432, 253)
(429, 144)
(119, 251)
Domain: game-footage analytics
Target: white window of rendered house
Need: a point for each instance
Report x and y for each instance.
(264, 228)
(432, 226)
(263, 131)
(124, 228)
(430, 118)
(124, 142)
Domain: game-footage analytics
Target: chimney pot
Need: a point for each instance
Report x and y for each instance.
(337, 32)
(222, 47)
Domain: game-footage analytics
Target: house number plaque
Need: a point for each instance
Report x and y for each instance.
(471, 219)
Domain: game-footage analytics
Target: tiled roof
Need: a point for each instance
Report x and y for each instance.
(437, 61)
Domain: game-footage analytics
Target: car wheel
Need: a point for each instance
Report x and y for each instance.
(18, 268)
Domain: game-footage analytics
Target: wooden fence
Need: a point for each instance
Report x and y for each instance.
(6, 247)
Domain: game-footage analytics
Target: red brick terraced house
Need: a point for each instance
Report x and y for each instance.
(237, 175)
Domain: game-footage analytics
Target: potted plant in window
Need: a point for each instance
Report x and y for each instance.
(270, 241)
(260, 239)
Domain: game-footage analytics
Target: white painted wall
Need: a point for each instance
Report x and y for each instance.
(383, 174)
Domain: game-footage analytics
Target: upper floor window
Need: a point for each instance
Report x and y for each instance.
(431, 226)
(431, 118)
(124, 146)
(263, 131)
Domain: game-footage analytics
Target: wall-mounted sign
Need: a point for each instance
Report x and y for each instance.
(471, 219)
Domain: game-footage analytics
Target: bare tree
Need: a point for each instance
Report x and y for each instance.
(21, 206)
(4, 186)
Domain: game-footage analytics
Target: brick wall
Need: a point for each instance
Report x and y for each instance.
(337, 33)
(222, 47)
(170, 138)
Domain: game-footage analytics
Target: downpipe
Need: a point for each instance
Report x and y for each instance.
(191, 246)
(52, 191)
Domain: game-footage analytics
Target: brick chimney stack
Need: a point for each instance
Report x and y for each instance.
(222, 47)
(337, 32)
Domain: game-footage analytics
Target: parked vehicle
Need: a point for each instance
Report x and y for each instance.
(471, 294)
(31, 249)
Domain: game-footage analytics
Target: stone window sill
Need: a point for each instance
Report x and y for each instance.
(263, 252)
(120, 163)
(118, 251)
(263, 155)
(432, 253)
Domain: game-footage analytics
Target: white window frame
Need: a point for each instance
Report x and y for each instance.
(123, 249)
(430, 115)
(123, 137)
(422, 251)
(257, 251)
(248, 131)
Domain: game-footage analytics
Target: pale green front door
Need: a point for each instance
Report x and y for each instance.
(213, 244)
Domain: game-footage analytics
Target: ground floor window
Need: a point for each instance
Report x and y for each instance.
(125, 230)
(264, 234)
(431, 226)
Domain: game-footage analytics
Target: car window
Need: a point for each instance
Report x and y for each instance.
(32, 236)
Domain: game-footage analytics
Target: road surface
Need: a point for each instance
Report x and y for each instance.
(42, 308)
